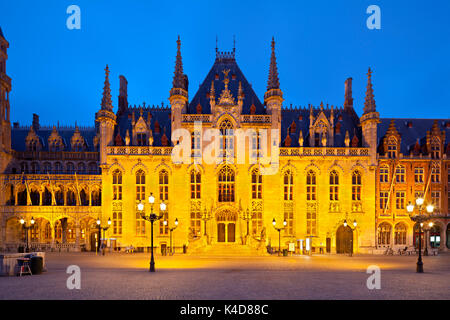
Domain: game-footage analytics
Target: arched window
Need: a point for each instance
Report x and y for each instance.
(84, 201)
(70, 168)
(96, 199)
(334, 186)
(288, 185)
(356, 186)
(163, 185)
(46, 197)
(226, 184)
(392, 147)
(140, 185)
(58, 167)
(81, 168)
(70, 198)
(384, 234)
(117, 185)
(400, 173)
(196, 180)
(311, 186)
(384, 174)
(256, 184)
(400, 234)
(226, 137)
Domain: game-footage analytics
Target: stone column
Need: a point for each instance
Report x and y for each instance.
(90, 197)
(77, 236)
(40, 198)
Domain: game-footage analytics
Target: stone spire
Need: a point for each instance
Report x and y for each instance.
(106, 99)
(369, 104)
(178, 76)
(273, 82)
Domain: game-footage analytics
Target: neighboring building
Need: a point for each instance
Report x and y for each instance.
(328, 171)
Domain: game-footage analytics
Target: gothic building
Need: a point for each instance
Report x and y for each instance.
(340, 182)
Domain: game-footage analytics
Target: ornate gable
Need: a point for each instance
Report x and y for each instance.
(32, 141)
(391, 141)
(55, 142)
(77, 141)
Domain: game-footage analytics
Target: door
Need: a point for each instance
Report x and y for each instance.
(344, 240)
(231, 232)
(328, 245)
(221, 232)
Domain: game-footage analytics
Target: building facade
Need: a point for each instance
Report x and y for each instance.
(316, 172)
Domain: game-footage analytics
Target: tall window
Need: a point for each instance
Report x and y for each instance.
(257, 221)
(356, 186)
(436, 198)
(140, 185)
(384, 174)
(141, 139)
(392, 147)
(117, 185)
(311, 186)
(384, 234)
(117, 222)
(288, 185)
(400, 234)
(435, 148)
(334, 186)
(400, 174)
(418, 175)
(226, 184)
(311, 219)
(226, 138)
(196, 180)
(164, 229)
(256, 184)
(195, 143)
(163, 185)
(256, 143)
(196, 221)
(400, 200)
(435, 174)
(289, 217)
(384, 199)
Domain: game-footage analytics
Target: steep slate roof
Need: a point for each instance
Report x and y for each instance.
(162, 115)
(348, 123)
(18, 136)
(409, 135)
(223, 62)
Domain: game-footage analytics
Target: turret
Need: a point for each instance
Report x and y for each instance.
(369, 121)
(273, 98)
(106, 119)
(5, 88)
(179, 92)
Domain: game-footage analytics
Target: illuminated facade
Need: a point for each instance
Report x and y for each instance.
(328, 171)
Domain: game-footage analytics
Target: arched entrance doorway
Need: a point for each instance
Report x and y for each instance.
(344, 240)
(226, 226)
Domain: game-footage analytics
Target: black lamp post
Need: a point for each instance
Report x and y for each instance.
(274, 223)
(171, 230)
(27, 227)
(247, 217)
(420, 219)
(351, 240)
(152, 218)
(100, 228)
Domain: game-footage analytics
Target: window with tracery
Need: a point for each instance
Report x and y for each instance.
(117, 185)
(311, 186)
(226, 184)
(334, 186)
(256, 184)
(196, 182)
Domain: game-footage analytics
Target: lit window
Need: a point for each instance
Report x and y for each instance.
(256, 185)
(356, 186)
(196, 180)
(384, 174)
(163, 185)
(400, 172)
(418, 175)
(334, 186)
(117, 185)
(400, 234)
(436, 174)
(384, 234)
(384, 200)
(311, 186)
(140, 185)
(226, 184)
(400, 200)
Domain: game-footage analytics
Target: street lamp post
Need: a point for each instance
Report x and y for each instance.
(205, 217)
(351, 240)
(247, 217)
(274, 223)
(420, 219)
(152, 218)
(27, 227)
(171, 230)
(100, 228)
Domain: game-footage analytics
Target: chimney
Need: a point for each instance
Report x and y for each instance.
(35, 122)
(348, 103)
(123, 95)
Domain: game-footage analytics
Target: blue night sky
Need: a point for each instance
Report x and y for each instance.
(58, 73)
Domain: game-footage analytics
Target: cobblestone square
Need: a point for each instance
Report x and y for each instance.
(126, 276)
